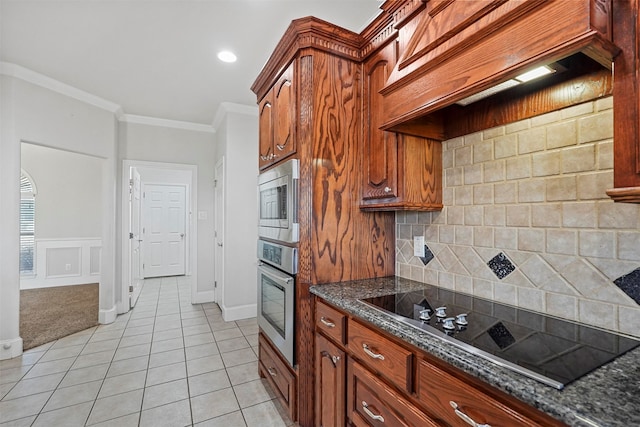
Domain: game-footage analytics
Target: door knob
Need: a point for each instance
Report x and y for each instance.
(220, 244)
(182, 235)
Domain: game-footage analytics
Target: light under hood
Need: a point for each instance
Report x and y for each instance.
(463, 48)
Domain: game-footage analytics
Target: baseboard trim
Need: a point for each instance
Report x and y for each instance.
(10, 348)
(107, 316)
(230, 314)
(203, 297)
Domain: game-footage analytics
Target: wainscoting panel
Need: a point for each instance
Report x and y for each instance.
(61, 262)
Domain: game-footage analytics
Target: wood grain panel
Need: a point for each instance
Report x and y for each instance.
(538, 37)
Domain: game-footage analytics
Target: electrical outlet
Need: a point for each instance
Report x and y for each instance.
(418, 246)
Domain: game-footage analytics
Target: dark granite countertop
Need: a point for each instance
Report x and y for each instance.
(608, 396)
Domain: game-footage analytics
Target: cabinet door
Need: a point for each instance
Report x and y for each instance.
(265, 155)
(380, 147)
(284, 114)
(370, 402)
(330, 384)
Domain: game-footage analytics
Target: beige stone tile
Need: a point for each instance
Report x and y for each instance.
(202, 409)
(562, 242)
(545, 119)
(23, 407)
(35, 385)
(128, 365)
(561, 188)
(61, 353)
(598, 313)
(481, 153)
(204, 364)
(506, 238)
(463, 235)
(605, 155)
(482, 288)
(519, 167)
(562, 134)
(203, 350)
(505, 146)
(578, 110)
(596, 127)
(165, 393)
(483, 236)
(73, 395)
(629, 245)
(579, 215)
(85, 375)
(263, 415)
(518, 215)
(546, 215)
(579, 159)
(131, 352)
(123, 383)
(166, 358)
(243, 373)
(130, 420)
(71, 416)
(594, 185)
(518, 126)
(505, 192)
(547, 164)
(232, 344)
(238, 357)
(167, 373)
(235, 419)
(505, 293)
(494, 171)
(628, 320)
(173, 414)
(532, 140)
(532, 190)
(618, 215)
(599, 244)
(493, 132)
(48, 368)
(473, 174)
(463, 156)
(116, 406)
(454, 177)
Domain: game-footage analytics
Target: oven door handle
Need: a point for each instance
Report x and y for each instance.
(273, 273)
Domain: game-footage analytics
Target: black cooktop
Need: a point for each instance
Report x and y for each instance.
(548, 349)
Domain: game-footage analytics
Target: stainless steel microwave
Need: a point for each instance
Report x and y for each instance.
(278, 202)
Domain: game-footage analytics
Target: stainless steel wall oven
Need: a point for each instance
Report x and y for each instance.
(277, 266)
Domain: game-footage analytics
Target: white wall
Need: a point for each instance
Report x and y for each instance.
(69, 199)
(237, 141)
(148, 143)
(32, 113)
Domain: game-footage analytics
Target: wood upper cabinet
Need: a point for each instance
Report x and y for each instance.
(276, 121)
(380, 173)
(400, 171)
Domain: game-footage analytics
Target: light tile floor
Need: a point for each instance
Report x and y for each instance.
(165, 363)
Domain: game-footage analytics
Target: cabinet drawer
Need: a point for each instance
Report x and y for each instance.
(370, 402)
(441, 391)
(331, 322)
(381, 355)
(278, 375)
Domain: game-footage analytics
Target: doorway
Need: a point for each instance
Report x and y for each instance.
(163, 230)
(165, 177)
(219, 232)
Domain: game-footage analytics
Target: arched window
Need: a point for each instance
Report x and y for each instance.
(27, 223)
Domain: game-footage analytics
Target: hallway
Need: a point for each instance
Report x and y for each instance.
(165, 363)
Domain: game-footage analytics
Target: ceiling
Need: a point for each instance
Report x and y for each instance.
(157, 58)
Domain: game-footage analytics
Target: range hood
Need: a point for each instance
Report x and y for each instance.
(460, 48)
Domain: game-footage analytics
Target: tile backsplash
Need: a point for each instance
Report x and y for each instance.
(527, 221)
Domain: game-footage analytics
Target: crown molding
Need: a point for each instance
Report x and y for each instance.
(230, 107)
(33, 77)
(176, 124)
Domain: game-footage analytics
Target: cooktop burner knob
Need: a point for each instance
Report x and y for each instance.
(440, 312)
(448, 324)
(424, 314)
(461, 319)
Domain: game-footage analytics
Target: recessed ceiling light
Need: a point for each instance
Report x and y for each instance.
(226, 56)
(535, 73)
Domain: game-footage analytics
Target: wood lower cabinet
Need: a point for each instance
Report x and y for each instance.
(280, 376)
(371, 402)
(401, 385)
(330, 383)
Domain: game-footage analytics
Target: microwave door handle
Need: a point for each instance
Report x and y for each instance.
(271, 272)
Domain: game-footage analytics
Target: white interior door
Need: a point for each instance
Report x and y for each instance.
(219, 231)
(135, 238)
(164, 230)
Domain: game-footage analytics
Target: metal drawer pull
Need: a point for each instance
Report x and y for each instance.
(387, 189)
(272, 372)
(371, 353)
(327, 323)
(373, 416)
(466, 418)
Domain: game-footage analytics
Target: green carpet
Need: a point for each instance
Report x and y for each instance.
(47, 314)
